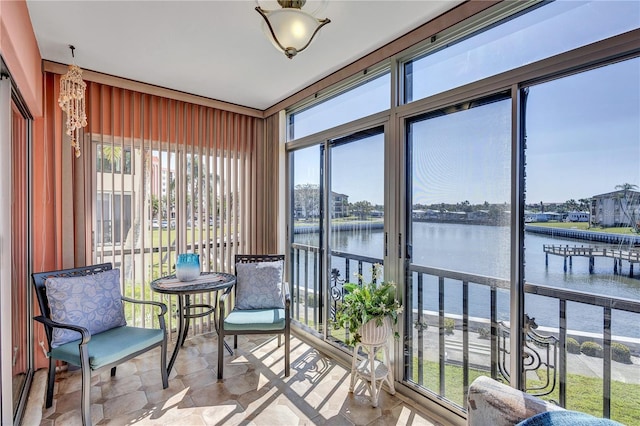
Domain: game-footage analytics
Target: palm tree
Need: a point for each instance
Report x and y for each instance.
(571, 205)
(585, 206)
(111, 153)
(199, 183)
(627, 187)
(628, 195)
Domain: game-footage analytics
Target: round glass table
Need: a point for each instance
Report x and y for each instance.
(206, 282)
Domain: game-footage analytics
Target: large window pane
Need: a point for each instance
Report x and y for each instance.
(368, 98)
(459, 235)
(583, 229)
(353, 189)
(554, 28)
(356, 212)
(305, 241)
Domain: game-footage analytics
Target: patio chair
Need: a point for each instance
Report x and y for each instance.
(261, 304)
(82, 312)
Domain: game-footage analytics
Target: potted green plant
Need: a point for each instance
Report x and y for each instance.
(369, 307)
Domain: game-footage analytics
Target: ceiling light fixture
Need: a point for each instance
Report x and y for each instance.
(71, 101)
(291, 29)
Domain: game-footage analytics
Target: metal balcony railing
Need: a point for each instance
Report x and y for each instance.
(544, 352)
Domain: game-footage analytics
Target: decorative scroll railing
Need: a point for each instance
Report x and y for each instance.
(543, 353)
(540, 355)
(307, 289)
(336, 292)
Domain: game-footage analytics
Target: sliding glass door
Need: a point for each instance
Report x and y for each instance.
(337, 212)
(21, 312)
(582, 235)
(16, 345)
(305, 255)
(458, 259)
(354, 216)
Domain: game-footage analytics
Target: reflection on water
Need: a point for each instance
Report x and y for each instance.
(485, 250)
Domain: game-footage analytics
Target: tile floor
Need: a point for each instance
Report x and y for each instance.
(254, 391)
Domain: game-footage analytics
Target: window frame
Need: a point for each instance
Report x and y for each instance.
(597, 54)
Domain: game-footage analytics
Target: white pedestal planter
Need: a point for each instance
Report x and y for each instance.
(374, 372)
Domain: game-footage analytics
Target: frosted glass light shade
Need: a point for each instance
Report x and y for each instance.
(290, 29)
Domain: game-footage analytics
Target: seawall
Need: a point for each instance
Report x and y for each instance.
(344, 226)
(601, 237)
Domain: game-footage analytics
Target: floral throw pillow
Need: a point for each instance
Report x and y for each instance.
(259, 285)
(91, 301)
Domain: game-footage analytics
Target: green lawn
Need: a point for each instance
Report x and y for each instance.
(168, 236)
(585, 226)
(159, 264)
(583, 393)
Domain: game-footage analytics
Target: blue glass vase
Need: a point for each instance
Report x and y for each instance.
(188, 266)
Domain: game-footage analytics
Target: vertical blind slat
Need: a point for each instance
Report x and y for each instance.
(172, 177)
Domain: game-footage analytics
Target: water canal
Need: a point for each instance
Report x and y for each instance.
(484, 250)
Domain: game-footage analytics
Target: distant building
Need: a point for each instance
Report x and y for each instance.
(536, 217)
(454, 216)
(478, 215)
(340, 203)
(618, 208)
(308, 206)
(428, 214)
(577, 217)
(114, 196)
(554, 216)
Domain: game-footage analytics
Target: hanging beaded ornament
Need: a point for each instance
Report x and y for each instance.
(71, 101)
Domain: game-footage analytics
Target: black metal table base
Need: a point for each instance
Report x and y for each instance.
(207, 282)
(184, 317)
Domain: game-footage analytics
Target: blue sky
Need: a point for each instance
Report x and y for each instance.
(583, 131)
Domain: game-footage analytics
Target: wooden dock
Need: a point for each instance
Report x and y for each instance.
(568, 252)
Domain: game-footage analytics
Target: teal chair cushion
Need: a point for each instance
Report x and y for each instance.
(109, 346)
(255, 319)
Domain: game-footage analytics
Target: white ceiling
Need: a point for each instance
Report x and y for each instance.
(217, 49)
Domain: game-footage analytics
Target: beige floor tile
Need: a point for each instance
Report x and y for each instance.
(120, 385)
(123, 404)
(254, 391)
(403, 415)
(225, 413)
(211, 396)
(156, 394)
